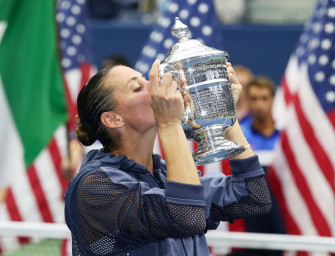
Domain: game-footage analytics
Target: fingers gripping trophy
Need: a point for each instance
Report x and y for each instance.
(211, 107)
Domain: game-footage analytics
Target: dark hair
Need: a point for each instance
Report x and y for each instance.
(94, 99)
(262, 82)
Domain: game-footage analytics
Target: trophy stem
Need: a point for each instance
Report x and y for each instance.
(212, 146)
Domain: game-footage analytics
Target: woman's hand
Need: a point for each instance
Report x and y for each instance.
(236, 87)
(168, 107)
(166, 101)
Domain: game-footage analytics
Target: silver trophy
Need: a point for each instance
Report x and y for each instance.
(209, 88)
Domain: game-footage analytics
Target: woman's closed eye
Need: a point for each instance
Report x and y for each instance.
(138, 89)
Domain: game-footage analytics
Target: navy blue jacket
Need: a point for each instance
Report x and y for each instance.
(115, 206)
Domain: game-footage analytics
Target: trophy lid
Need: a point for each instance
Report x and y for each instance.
(185, 48)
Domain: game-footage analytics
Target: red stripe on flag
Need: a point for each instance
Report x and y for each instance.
(86, 73)
(64, 244)
(71, 107)
(237, 226)
(331, 117)
(277, 189)
(14, 212)
(288, 96)
(56, 159)
(199, 168)
(320, 155)
(317, 217)
(39, 194)
(225, 167)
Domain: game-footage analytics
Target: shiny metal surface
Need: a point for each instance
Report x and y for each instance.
(209, 88)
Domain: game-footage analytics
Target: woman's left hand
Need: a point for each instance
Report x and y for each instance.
(166, 101)
(236, 87)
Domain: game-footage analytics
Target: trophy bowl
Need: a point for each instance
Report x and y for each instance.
(209, 88)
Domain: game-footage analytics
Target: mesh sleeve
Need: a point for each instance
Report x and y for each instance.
(258, 202)
(114, 218)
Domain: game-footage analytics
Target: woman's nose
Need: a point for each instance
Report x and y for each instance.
(147, 84)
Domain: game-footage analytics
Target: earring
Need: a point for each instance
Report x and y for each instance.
(120, 124)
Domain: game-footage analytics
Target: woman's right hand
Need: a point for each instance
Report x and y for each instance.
(166, 101)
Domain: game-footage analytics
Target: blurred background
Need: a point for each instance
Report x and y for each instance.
(260, 34)
(49, 49)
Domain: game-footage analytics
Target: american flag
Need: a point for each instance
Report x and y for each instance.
(198, 15)
(76, 49)
(303, 173)
(76, 59)
(37, 194)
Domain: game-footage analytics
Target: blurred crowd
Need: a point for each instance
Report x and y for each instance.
(228, 11)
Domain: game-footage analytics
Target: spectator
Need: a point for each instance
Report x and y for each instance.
(261, 131)
(263, 136)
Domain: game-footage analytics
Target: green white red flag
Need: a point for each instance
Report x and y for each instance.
(35, 94)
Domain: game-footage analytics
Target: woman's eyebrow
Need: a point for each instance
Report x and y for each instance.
(134, 78)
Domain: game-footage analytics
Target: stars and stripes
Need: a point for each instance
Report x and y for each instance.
(76, 60)
(37, 193)
(198, 15)
(76, 49)
(303, 173)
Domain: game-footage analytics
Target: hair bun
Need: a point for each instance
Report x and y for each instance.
(83, 135)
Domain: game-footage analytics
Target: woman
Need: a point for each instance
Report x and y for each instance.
(125, 200)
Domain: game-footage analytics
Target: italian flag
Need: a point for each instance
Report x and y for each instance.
(33, 113)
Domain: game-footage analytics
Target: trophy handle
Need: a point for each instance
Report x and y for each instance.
(188, 116)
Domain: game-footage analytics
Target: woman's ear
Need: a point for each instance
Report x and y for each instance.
(111, 120)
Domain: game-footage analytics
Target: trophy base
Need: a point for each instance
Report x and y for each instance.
(212, 146)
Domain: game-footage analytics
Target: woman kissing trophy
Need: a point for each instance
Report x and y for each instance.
(213, 108)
